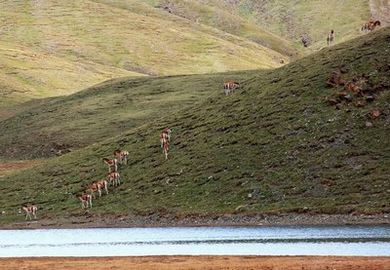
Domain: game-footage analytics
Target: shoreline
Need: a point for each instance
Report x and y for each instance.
(227, 220)
(198, 262)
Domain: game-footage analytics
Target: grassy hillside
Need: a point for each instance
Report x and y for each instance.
(274, 146)
(52, 48)
(290, 19)
(29, 74)
(101, 112)
(226, 18)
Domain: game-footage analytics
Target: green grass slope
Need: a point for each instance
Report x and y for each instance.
(27, 74)
(290, 19)
(274, 146)
(101, 112)
(226, 18)
(53, 48)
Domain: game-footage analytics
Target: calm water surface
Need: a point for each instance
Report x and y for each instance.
(285, 240)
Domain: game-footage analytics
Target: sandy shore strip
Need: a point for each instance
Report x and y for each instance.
(199, 262)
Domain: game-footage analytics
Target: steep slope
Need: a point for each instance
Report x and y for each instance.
(273, 146)
(51, 48)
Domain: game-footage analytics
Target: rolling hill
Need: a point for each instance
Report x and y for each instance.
(284, 18)
(274, 146)
(56, 58)
(100, 112)
(53, 48)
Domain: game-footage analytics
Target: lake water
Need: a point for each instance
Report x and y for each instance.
(280, 240)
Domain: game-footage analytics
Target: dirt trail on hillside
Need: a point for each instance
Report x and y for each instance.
(380, 10)
(199, 262)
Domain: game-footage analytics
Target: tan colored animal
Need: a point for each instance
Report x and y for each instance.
(112, 164)
(98, 186)
(166, 149)
(165, 136)
(230, 86)
(370, 25)
(114, 178)
(86, 200)
(121, 156)
(330, 37)
(92, 189)
(102, 185)
(30, 209)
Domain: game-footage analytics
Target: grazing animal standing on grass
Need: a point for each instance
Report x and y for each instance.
(30, 209)
(165, 136)
(102, 184)
(330, 37)
(97, 187)
(230, 86)
(112, 164)
(86, 200)
(370, 25)
(114, 178)
(121, 156)
(91, 189)
(166, 149)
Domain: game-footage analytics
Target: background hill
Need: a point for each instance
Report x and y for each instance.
(52, 48)
(284, 18)
(55, 48)
(100, 112)
(275, 146)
